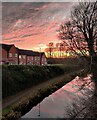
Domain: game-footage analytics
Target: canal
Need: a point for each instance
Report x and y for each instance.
(68, 101)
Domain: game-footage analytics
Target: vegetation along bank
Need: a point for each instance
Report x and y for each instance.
(16, 78)
(27, 76)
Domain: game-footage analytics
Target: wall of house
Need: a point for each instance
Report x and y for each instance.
(43, 60)
(36, 60)
(13, 55)
(3, 56)
(22, 59)
(29, 60)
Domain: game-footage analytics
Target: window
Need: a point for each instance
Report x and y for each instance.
(45, 59)
(35, 58)
(28, 58)
(24, 56)
(10, 54)
(19, 56)
(16, 55)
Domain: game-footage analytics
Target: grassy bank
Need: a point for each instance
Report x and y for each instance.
(16, 78)
(26, 103)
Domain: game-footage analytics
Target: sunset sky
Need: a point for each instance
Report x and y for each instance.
(31, 25)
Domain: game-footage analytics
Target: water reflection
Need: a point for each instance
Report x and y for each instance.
(62, 102)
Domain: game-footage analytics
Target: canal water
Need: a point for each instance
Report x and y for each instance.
(65, 102)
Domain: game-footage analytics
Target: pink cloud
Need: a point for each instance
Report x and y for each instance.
(32, 24)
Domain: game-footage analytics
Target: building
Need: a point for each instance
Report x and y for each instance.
(9, 54)
(22, 57)
(43, 59)
(36, 58)
(30, 57)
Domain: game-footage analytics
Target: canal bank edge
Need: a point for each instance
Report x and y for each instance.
(22, 107)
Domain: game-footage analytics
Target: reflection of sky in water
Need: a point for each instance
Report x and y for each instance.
(56, 105)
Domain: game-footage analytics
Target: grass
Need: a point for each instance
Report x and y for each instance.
(37, 95)
(43, 80)
(18, 78)
(21, 77)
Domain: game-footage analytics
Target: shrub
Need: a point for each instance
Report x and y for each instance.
(18, 77)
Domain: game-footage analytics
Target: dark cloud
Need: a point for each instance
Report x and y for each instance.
(28, 35)
(36, 21)
(36, 12)
(16, 41)
(11, 12)
(9, 38)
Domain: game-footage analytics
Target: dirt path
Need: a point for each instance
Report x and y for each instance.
(13, 99)
(10, 100)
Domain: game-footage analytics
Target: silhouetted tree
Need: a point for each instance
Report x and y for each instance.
(74, 42)
(84, 19)
(50, 48)
(60, 47)
(81, 32)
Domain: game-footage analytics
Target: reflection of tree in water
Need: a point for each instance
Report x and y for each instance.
(85, 106)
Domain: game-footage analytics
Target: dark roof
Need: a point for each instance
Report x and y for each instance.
(42, 53)
(6, 46)
(27, 52)
(21, 51)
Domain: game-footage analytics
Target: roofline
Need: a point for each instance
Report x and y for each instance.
(35, 53)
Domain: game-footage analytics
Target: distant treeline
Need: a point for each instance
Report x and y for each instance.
(73, 60)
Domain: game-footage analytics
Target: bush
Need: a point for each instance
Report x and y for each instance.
(18, 77)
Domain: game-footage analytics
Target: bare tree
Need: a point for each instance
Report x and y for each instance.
(60, 47)
(50, 49)
(76, 44)
(84, 18)
(81, 30)
(80, 33)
